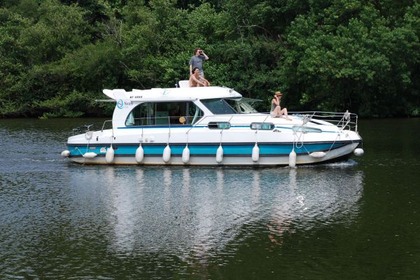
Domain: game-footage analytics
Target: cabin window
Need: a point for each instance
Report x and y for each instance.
(262, 126)
(219, 125)
(218, 106)
(163, 113)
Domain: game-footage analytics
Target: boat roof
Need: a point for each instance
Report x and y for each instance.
(173, 94)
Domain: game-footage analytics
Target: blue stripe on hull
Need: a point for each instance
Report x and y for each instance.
(208, 149)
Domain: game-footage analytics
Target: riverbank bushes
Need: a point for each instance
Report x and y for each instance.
(57, 56)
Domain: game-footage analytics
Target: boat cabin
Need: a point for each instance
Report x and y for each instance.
(176, 106)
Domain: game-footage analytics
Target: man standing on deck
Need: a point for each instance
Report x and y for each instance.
(197, 61)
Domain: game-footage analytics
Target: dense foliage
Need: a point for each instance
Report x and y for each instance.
(362, 55)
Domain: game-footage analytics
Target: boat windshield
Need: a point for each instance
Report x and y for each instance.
(244, 105)
(218, 106)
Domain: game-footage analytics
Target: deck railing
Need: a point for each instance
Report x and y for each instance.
(344, 120)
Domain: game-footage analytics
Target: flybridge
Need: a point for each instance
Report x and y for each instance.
(173, 93)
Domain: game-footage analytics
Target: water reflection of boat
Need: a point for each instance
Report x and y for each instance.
(198, 126)
(191, 212)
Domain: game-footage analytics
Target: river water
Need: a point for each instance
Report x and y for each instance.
(358, 219)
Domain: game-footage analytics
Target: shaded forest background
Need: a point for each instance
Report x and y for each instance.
(362, 55)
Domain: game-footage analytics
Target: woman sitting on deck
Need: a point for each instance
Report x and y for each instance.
(276, 110)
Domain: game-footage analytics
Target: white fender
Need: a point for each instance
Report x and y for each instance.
(139, 154)
(255, 153)
(166, 154)
(219, 154)
(186, 154)
(89, 155)
(65, 153)
(292, 158)
(359, 152)
(109, 156)
(317, 154)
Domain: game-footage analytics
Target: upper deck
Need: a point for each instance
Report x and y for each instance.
(172, 94)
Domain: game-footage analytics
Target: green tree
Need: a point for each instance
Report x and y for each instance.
(346, 57)
(57, 56)
(12, 60)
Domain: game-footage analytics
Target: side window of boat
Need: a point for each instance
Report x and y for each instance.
(176, 113)
(164, 113)
(193, 113)
(161, 113)
(187, 113)
(176, 110)
(141, 115)
(219, 125)
(262, 126)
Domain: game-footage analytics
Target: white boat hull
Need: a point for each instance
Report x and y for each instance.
(209, 133)
(156, 151)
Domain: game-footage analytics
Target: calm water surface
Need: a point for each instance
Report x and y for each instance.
(357, 219)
